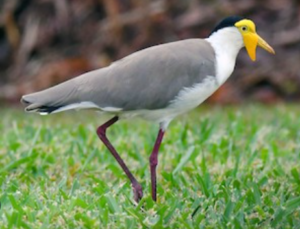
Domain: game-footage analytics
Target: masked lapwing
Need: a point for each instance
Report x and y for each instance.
(156, 84)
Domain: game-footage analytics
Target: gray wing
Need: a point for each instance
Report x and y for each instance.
(148, 79)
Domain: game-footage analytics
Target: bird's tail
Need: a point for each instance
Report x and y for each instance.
(51, 100)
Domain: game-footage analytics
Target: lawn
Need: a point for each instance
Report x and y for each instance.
(232, 167)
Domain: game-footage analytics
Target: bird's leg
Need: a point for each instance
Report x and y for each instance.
(153, 162)
(101, 132)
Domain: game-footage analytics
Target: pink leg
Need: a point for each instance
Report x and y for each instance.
(101, 132)
(153, 162)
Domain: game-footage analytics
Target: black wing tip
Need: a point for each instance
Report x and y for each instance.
(47, 109)
(41, 109)
(38, 108)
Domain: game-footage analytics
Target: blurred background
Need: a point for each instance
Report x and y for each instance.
(44, 42)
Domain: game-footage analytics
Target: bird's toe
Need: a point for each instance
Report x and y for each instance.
(137, 192)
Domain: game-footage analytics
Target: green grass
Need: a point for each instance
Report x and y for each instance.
(232, 167)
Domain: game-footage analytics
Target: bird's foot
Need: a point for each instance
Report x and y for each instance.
(137, 192)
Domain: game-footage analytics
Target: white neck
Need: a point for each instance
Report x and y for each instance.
(227, 43)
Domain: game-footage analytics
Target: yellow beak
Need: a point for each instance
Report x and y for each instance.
(251, 40)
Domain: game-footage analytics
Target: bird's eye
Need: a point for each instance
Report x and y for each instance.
(244, 28)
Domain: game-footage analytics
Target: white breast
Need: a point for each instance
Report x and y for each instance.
(227, 43)
(191, 97)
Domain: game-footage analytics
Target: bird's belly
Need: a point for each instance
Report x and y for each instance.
(191, 97)
(187, 99)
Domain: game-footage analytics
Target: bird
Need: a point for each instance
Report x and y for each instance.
(156, 84)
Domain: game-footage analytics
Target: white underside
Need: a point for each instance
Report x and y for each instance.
(77, 106)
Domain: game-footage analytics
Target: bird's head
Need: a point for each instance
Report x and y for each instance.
(247, 29)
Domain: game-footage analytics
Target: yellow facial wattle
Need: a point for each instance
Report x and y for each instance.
(251, 38)
(250, 42)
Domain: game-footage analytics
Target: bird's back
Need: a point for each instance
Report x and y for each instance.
(149, 79)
